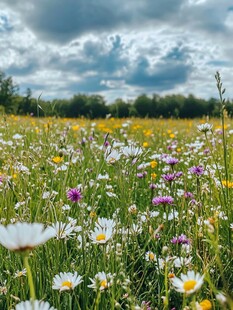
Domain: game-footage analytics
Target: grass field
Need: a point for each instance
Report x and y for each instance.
(137, 214)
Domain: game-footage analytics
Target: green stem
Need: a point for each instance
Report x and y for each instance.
(29, 276)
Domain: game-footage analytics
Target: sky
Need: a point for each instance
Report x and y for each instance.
(117, 48)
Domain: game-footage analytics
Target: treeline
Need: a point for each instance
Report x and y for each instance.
(95, 106)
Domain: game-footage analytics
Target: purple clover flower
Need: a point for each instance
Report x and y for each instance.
(162, 200)
(142, 175)
(146, 305)
(188, 195)
(171, 161)
(74, 194)
(169, 177)
(153, 186)
(106, 143)
(182, 239)
(197, 170)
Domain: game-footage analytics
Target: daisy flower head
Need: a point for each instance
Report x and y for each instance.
(24, 236)
(100, 235)
(132, 151)
(74, 194)
(101, 281)
(162, 200)
(63, 230)
(34, 305)
(181, 261)
(204, 127)
(66, 281)
(188, 283)
(112, 156)
(20, 273)
(150, 256)
(105, 223)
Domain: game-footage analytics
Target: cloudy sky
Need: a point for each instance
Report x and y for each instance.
(117, 48)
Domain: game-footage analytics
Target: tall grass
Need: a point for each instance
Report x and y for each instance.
(41, 159)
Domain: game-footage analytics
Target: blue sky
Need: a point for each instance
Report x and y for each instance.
(117, 48)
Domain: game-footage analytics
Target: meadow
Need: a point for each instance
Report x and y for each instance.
(128, 214)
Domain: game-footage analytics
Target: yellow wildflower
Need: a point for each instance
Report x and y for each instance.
(153, 176)
(153, 164)
(145, 144)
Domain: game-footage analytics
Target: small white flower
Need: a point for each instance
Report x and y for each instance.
(63, 230)
(181, 261)
(101, 281)
(103, 176)
(111, 156)
(34, 305)
(150, 256)
(17, 136)
(21, 273)
(188, 283)
(105, 223)
(132, 151)
(204, 127)
(24, 236)
(221, 298)
(66, 281)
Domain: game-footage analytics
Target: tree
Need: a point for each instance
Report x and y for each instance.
(119, 108)
(96, 106)
(8, 90)
(143, 105)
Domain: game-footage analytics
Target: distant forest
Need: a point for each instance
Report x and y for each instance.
(95, 106)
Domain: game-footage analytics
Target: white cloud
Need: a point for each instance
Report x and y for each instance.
(145, 47)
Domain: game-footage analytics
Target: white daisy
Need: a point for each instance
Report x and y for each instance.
(66, 281)
(105, 223)
(34, 305)
(111, 156)
(63, 230)
(24, 236)
(150, 256)
(188, 283)
(204, 127)
(100, 235)
(20, 273)
(132, 151)
(101, 281)
(181, 261)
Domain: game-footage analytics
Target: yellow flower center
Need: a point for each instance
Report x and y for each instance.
(189, 285)
(205, 305)
(104, 283)
(57, 159)
(67, 283)
(101, 237)
(151, 256)
(112, 160)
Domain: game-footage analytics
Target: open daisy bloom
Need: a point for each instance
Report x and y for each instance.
(101, 281)
(34, 305)
(66, 281)
(101, 235)
(189, 283)
(24, 236)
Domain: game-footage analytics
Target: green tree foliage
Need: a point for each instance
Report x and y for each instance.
(120, 108)
(94, 106)
(8, 91)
